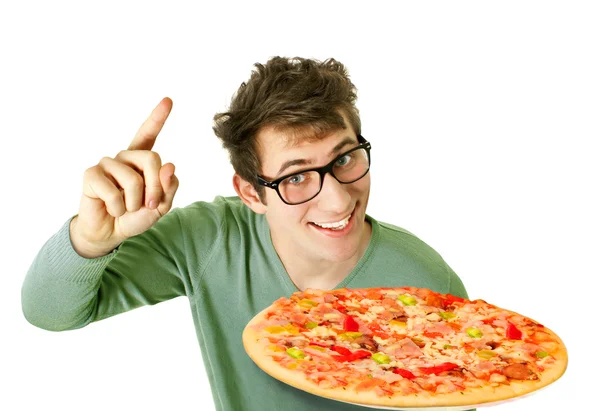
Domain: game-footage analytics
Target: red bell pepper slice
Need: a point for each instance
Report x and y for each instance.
(347, 355)
(342, 358)
(404, 373)
(318, 344)
(449, 299)
(341, 350)
(513, 332)
(341, 308)
(357, 355)
(438, 369)
(350, 324)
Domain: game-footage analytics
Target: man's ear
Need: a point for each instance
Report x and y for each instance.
(248, 194)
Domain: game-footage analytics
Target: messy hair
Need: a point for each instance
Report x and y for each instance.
(300, 96)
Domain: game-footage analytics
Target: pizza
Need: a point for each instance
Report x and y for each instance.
(403, 347)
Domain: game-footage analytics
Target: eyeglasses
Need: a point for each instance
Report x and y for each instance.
(303, 186)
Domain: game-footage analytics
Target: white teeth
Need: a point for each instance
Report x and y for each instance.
(338, 226)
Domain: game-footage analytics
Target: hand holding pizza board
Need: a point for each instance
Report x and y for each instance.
(403, 348)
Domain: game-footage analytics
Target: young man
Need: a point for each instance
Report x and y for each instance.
(302, 178)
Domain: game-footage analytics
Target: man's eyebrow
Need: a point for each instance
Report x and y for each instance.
(342, 144)
(300, 161)
(296, 162)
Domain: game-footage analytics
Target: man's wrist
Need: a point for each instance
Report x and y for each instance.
(83, 247)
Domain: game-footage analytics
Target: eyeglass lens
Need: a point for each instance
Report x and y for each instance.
(303, 186)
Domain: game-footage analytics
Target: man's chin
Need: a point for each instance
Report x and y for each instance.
(336, 251)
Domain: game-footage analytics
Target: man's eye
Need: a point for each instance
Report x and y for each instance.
(343, 160)
(295, 180)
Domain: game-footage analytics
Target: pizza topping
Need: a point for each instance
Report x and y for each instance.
(341, 350)
(400, 323)
(351, 335)
(439, 328)
(381, 336)
(493, 344)
(447, 315)
(486, 354)
(404, 373)
(404, 349)
(419, 342)
(350, 324)
(433, 300)
(306, 303)
(438, 369)
(474, 332)
(366, 342)
(519, 371)
(497, 378)
(275, 347)
(352, 356)
(451, 300)
(381, 358)
(332, 317)
(407, 299)
(295, 352)
(339, 307)
(513, 332)
(433, 316)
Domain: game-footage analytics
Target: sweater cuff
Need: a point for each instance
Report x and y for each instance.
(64, 262)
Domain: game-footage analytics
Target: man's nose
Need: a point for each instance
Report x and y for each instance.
(333, 196)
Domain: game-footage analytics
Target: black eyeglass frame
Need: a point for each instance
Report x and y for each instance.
(364, 144)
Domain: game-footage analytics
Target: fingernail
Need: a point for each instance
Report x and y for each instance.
(153, 204)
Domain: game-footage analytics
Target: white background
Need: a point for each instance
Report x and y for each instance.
(482, 118)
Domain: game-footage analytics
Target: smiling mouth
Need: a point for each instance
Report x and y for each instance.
(339, 225)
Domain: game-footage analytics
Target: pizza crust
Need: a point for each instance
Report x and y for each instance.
(471, 397)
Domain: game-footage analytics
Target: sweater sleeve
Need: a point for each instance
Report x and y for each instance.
(456, 286)
(64, 291)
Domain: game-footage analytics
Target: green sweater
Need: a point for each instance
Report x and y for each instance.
(221, 257)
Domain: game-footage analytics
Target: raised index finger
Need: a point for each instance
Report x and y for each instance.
(146, 135)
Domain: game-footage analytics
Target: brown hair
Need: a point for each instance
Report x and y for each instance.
(297, 94)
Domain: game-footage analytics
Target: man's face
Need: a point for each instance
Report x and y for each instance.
(298, 228)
